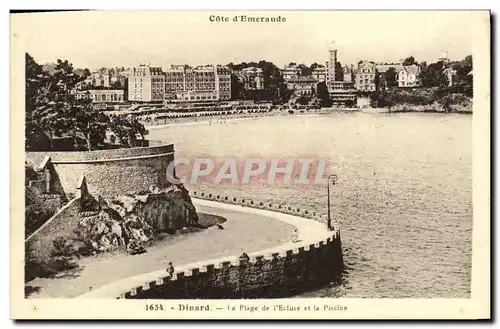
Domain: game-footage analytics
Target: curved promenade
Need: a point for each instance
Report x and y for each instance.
(304, 257)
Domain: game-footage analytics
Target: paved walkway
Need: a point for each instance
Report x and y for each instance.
(310, 232)
(244, 230)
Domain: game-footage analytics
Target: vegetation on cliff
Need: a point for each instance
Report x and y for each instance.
(446, 99)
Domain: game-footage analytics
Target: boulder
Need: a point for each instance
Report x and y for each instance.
(128, 202)
(119, 209)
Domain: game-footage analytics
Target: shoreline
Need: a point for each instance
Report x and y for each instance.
(194, 120)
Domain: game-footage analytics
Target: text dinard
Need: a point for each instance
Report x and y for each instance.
(247, 19)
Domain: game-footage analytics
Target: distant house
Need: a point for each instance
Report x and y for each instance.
(409, 76)
(365, 76)
(290, 72)
(101, 95)
(451, 76)
(251, 77)
(303, 85)
(348, 72)
(320, 73)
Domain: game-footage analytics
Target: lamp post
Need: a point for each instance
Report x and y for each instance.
(333, 179)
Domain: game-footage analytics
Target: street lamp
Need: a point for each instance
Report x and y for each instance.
(333, 179)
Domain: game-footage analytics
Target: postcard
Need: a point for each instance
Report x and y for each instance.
(250, 165)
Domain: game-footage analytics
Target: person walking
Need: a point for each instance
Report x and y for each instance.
(295, 236)
(170, 269)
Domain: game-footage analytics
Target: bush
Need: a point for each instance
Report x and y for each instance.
(30, 173)
(444, 96)
(35, 212)
(63, 254)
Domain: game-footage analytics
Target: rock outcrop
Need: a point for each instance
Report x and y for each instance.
(129, 221)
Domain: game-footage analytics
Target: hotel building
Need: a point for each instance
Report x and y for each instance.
(202, 83)
(365, 76)
(146, 84)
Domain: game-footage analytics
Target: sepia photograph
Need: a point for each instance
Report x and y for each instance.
(253, 164)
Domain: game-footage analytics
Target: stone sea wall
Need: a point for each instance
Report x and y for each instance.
(108, 172)
(278, 272)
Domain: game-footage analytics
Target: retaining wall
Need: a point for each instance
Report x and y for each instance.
(277, 272)
(63, 223)
(109, 172)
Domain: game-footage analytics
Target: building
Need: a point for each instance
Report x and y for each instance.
(342, 92)
(365, 76)
(98, 79)
(118, 80)
(146, 84)
(320, 73)
(409, 76)
(203, 83)
(290, 72)
(223, 82)
(302, 85)
(451, 76)
(349, 73)
(252, 78)
(382, 69)
(102, 95)
(331, 65)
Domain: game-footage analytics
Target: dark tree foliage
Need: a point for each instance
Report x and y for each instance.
(391, 77)
(323, 95)
(339, 72)
(433, 76)
(409, 61)
(53, 110)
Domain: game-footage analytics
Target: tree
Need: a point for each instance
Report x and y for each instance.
(48, 100)
(339, 72)
(36, 79)
(305, 70)
(463, 68)
(52, 109)
(127, 129)
(376, 80)
(86, 73)
(432, 75)
(391, 77)
(314, 66)
(139, 128)
(89, 123)
(409, 61)
(323, 95)
(236, 87)
(302, 100)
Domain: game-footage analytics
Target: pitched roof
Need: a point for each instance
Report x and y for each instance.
(410, 69)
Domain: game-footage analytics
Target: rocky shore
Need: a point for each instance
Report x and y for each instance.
(432, 108)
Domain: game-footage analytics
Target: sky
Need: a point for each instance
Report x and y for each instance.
(161, 38)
